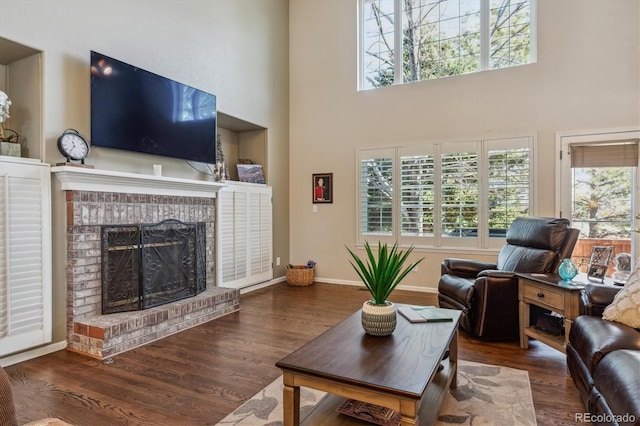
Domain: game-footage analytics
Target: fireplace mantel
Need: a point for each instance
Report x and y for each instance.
(85, 179)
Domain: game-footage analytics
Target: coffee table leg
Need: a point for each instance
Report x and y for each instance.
(409, 413)
(291, 401)
(453, 357)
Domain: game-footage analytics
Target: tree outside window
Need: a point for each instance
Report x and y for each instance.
(404, 41)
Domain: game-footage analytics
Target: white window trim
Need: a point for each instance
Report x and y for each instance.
(461, 245)
(564, 140)
(484, 41)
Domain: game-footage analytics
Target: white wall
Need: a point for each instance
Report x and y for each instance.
(586, 77)
(236, 49)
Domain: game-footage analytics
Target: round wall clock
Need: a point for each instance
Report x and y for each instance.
(73, 146)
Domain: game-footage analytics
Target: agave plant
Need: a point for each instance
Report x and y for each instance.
(382, 275)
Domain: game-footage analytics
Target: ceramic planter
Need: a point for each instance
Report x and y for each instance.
(378, 320)
(11, 149)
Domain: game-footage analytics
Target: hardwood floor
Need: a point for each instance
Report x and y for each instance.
(200, 375)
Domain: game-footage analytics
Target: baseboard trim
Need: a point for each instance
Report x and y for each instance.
(359, 284)
(258, 286)
(33, 353)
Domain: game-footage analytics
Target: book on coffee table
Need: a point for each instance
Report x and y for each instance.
(424, 314)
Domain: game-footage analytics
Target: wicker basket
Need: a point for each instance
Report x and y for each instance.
(300, 275)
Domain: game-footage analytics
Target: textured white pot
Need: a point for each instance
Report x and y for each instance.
(9, 148)
(378, 320)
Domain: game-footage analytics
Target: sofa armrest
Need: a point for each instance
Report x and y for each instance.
(496, 274)
(464, 268)
(595, 298)
(495, 309)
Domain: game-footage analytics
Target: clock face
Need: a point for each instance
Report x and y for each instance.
(73, 146)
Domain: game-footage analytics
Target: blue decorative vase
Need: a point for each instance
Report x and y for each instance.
(567, 270)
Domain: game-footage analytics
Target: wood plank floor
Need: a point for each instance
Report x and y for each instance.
(200, 375)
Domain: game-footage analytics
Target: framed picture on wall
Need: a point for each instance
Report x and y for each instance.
(322, 187)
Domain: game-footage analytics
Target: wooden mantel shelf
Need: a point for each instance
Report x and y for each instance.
(85, 179)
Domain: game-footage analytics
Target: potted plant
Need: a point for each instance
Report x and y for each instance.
(381, 275)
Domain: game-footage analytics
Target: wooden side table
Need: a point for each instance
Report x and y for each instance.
(548, 291)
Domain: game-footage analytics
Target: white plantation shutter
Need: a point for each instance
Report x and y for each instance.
(509, 183)
(244, 235)
(376, 193)
(459, 191)
(25, 250)
(260, 233)
(232, 235)
(459, 194)
(417, 193)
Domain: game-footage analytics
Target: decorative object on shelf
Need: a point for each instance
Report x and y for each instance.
(9, 142)
(567, 270)
(246, 161)
(252, 173)
(322, 188)
(219, 172)
(599, 263)
(381, 276)
(5, 103)
(73, 146)
(622, 262)
(222, 173)
(301, 275)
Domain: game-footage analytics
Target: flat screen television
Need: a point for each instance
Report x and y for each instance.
(136, 110)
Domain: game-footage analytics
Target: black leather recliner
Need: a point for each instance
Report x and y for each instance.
(487, 293)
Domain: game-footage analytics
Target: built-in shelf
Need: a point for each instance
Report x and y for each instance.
(21, 78)
(85, 179)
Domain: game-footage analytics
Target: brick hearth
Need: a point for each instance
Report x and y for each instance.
(102, 336)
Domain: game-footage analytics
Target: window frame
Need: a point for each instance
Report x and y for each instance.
(438, 241)
(484, 43)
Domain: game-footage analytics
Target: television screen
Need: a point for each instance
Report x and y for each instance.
(136, 110)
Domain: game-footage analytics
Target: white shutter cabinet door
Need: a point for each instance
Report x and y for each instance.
(244, 235)
(25, 255)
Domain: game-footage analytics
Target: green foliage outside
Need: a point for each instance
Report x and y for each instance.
(429, 50)
(601, 200)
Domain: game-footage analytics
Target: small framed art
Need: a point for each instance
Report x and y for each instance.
(322, 187)
(252, 173)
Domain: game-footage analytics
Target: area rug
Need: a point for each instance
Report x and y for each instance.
(486, 395)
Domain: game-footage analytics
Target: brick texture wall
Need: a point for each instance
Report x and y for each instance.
(87, 211)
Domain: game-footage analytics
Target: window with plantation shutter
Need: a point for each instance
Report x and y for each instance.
(459, 194)
(417, 192)
(451, 194)
(376, 193)
(509, 185)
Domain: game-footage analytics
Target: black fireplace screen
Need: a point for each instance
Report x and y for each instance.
(149, 265)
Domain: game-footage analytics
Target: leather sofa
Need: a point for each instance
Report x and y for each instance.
(603, 358)
(487, 293)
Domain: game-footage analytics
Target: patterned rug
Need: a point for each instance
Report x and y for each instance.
(486, 395)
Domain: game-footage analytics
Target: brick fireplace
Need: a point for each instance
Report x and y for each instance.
(95, 198)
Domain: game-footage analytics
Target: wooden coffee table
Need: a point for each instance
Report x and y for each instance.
(399, 371)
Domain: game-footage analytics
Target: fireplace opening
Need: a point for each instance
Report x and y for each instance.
(148, 265)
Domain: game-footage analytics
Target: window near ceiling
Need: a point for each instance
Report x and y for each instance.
(459, 194)
(403, 41)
